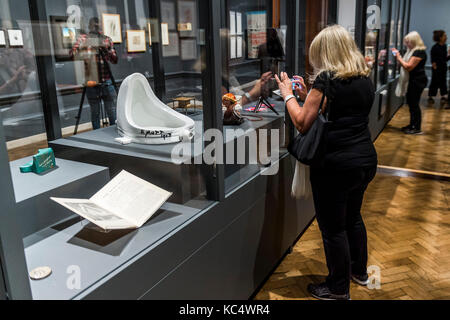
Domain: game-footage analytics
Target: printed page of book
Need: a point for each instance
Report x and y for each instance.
(95, 214)
(131, 198)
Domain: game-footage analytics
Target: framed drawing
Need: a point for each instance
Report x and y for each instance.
(188, 49)
(165, 34)
(168, 14)
(173, 49)
(232, 23)
(2, 38)
(233, 47)
(185, 26)
(187, 13)
(112, 27)
(136, 41)
(64, 37)
(239, 44)
(153, 27)
(15, 38)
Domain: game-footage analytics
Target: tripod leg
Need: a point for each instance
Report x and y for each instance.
(80, 110)
(103, 114)
(269, 105)
(258, 105)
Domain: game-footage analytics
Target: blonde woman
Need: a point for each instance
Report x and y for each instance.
(414, 64)
(350, 163)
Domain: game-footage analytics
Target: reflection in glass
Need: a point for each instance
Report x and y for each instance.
(20, 103)
(393, 38)
(256, 52)
(97, 51)
(382, 44)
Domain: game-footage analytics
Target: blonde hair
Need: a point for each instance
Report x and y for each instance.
(334, 50)
(416, 40)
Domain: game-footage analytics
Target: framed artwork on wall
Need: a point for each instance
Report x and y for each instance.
(173, 49)
(168, 14)
(153, 27)
(2, 38)
(136, 41)
(256, 32)
(165, 34)
(188, 49)
(112, 27)
(15, 38)
(187, 14)
(64, 37)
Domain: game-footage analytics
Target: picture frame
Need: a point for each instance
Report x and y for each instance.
(15, 37)
(136, 41)
(153, 27)
(187, 13)
(173, 49)
(2, 38)
(165, 34)
(64, 38)
(168, 14)
(112, 27)
(188, 49)
(183, 27)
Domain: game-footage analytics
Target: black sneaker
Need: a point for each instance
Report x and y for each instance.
(321, 292)
(361, 280)
(413, 131)
(408, 127)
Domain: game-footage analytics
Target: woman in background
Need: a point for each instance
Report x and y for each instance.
(414, 64)
(439, 58)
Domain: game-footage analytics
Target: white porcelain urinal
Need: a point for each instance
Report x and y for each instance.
(143, 118)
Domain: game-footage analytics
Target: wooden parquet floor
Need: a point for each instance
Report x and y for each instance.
(407, 220)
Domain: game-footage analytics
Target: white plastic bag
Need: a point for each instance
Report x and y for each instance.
(301, 186)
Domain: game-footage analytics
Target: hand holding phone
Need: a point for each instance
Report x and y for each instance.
(394, 52)
(296, 83)
(299, 87)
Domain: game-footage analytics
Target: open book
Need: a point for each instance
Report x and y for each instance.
(126, 202)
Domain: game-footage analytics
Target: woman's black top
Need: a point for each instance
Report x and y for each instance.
(439, 56)
(418, 76)
(349, 143)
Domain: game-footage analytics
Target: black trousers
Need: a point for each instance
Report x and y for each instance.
(413, 96)
(338, 197)
(438, 82)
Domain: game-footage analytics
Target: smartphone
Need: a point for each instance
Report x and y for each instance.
(296, 83)
(394, 53)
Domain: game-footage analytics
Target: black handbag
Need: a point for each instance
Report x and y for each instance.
(310, 148)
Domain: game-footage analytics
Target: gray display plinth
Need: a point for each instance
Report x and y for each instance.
(81, 255)
(69, 180)
(154, 162)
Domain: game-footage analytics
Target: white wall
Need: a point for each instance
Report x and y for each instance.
(347, 14)
(429, 15)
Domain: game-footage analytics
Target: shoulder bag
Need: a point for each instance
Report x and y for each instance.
(310, 148)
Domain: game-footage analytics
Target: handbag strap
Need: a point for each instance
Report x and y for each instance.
(325, 95)
(322, 102)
